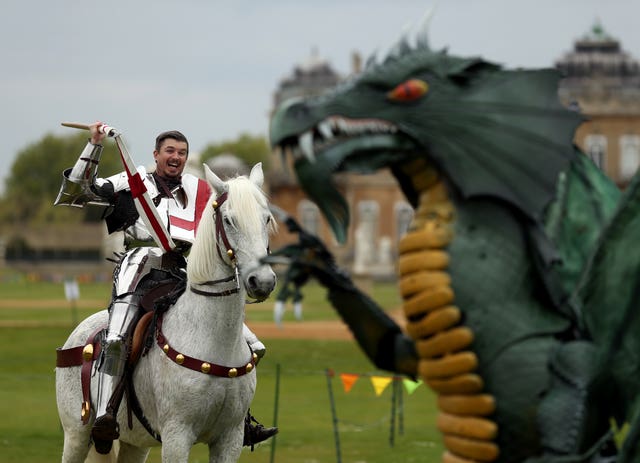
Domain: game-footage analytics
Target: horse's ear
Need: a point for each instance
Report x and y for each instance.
(256, 175)
(216, 183)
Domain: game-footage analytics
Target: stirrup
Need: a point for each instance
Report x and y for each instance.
(256, 433)
(104, 431)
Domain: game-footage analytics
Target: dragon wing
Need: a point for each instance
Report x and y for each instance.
(609, 293)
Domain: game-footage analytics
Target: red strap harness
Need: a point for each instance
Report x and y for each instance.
(221, 234)
(85, 356)
(201, 365)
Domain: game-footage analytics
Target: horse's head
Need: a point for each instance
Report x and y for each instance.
(234, 232)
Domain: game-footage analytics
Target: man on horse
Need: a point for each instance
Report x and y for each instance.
(179, 200)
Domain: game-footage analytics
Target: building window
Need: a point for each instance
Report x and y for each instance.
(404, 216)
(309, 216)
(596, 148)
(629, 156)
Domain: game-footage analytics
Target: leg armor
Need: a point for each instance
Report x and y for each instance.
(134, 266)
(111, 368)
(114, 349)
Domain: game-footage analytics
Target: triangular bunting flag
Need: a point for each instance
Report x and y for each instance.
(348, 380)
(380, 383)
(411, 385)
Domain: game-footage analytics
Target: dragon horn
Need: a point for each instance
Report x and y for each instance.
(422, 36)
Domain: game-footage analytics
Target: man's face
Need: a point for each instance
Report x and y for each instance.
(171, 158)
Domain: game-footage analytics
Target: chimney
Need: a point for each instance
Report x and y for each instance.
(356, 63)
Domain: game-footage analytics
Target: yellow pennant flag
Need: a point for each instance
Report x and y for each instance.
(348, 380)
(380, 383)
(411, 385)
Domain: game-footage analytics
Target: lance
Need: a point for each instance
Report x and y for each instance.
(145, 207)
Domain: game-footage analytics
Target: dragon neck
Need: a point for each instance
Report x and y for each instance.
(447, 362)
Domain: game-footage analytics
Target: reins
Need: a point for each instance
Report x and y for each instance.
(228, 292)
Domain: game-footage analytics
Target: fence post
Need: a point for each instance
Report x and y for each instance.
(392, 424)
(334, 416)
(275, 412)
(72, 293)
(400, 408)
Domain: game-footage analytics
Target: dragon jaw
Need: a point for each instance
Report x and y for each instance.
(340, 144)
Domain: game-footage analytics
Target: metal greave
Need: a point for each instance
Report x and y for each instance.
(114, 348)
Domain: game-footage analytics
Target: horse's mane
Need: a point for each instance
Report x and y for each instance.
(244, 205)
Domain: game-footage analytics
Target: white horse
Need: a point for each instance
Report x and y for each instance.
(205, 325)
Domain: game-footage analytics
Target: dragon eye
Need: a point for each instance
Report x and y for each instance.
(409, 90)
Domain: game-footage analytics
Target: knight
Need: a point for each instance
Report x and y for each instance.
(179, 200)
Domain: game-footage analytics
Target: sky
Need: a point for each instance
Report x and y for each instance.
(209, 68)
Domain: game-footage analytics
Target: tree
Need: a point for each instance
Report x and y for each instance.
(36, 176)
(250, 148)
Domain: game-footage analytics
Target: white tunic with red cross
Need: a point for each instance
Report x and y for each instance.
(180, 213)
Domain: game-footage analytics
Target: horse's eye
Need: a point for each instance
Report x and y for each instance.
(228, 221)
(268, 220)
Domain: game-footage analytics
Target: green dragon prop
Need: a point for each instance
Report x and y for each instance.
(519, 274)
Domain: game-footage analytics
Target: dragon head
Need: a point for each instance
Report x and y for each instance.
(486, 130)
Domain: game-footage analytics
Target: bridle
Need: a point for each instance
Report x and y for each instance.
(221, 236)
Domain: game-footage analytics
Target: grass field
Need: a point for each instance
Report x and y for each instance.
(35, 319)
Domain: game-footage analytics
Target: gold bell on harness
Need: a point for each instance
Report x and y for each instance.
(87, 352)
(86, 408)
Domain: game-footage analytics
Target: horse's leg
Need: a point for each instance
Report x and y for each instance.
(176, 445)
(131, 454)
(76, 447)
(69, 400)
(95, 457)
(228, 446)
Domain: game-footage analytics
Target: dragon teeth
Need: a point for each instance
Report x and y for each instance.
(325, 129)
(305, 141)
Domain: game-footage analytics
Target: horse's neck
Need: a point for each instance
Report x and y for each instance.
(209, 326)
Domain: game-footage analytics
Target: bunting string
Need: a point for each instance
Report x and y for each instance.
(379, 382)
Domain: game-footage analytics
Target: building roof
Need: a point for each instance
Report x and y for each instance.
(311, 77)
(72, 237)
(598, 54)
(599, 75)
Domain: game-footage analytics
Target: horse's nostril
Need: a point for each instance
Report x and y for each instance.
(253, 284)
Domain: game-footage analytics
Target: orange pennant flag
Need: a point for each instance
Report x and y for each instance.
(380, 383)
(348, 380)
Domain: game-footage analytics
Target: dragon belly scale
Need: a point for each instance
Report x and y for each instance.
(433, 322)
